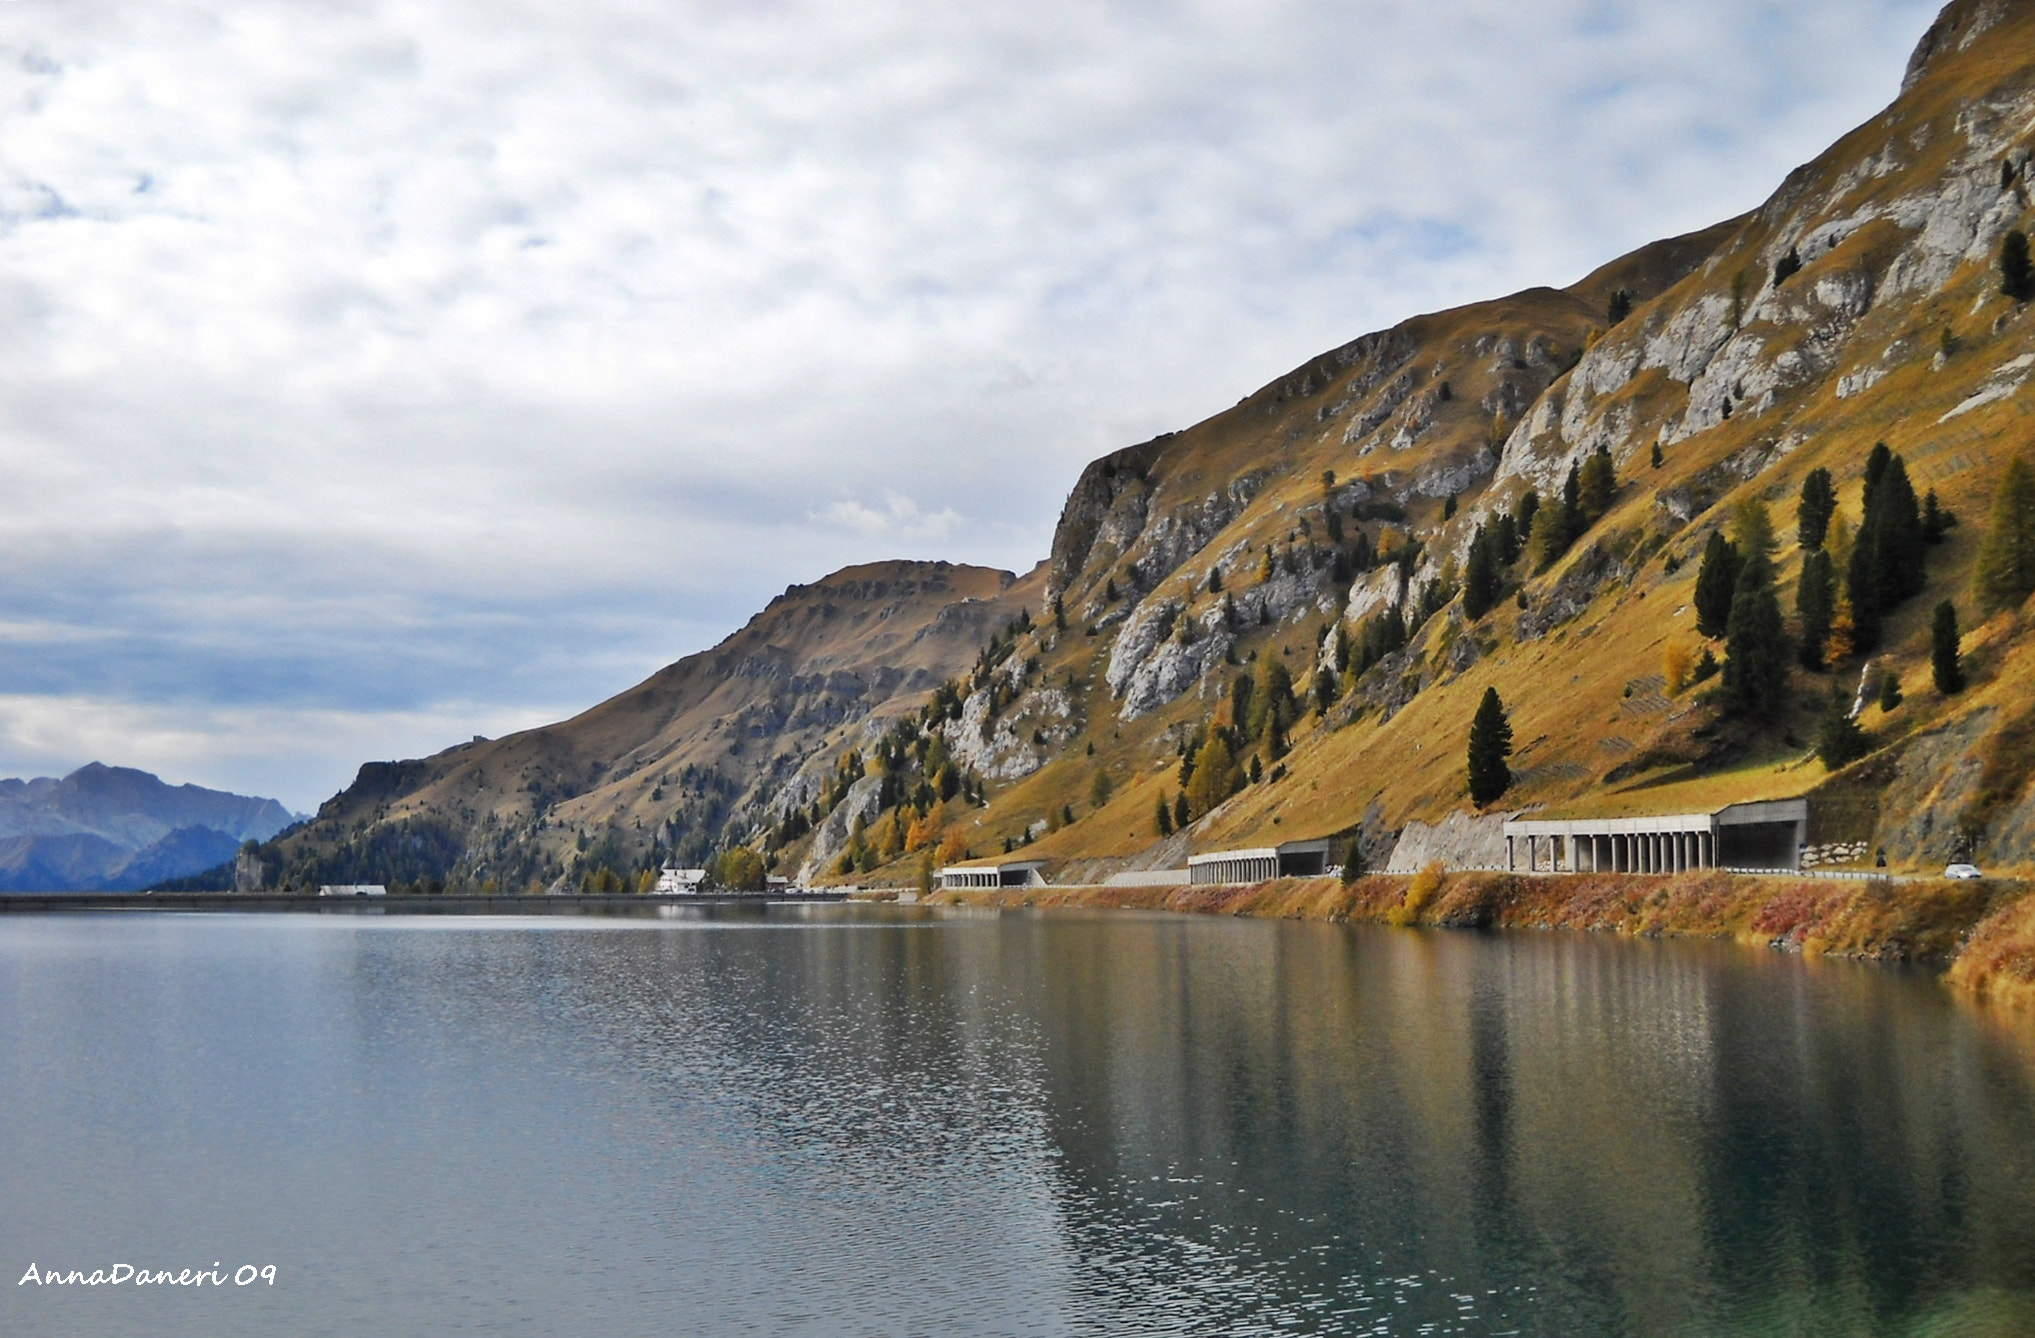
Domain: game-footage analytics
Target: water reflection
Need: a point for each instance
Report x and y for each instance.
(840, 1119)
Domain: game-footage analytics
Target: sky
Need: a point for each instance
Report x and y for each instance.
(374, 375)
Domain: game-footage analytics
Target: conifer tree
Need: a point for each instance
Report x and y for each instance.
(1181, 814)
(2006, 556)
(1522, 524)
(2017, 273)
(1353, 861)
(1164, 817)
(1215, 775)
(1755, 645)
(1819, 502)
(1839, 740)
(1944, 665)
(1481, 583)
(1490, 745)
(1595, 488)
(1716, 582)
(1815, 603)
(1937, 520)
(1888, 560)
(1657, 460)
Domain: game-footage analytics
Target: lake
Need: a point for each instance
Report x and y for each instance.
(864, 1120)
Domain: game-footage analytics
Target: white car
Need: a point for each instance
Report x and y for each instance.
(1962, 871)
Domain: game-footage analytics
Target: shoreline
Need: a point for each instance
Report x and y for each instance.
(1981, 932)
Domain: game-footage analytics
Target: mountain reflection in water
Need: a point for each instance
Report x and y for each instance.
(846, 1120)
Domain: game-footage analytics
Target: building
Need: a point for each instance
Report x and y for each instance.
(1767, 835)
(1292, 859)
(680, 882)
(1023, 873)
(353, 890)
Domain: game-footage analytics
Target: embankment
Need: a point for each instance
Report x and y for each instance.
(1984, 931)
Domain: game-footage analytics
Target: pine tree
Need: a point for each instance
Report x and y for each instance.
(1888, 561)
(1448, 508)
(1353, 861)
(1657, 459)
(1890, 691)
(1522, 525)
(1596, 487)
(1944, 664)
(1839, 740)
(1327, 687)
(1181, 815)
(1481, 582)
(2017, 274)
(1164, 816)
(1815, 602)
(1550, 536)
(1716, 582)
(1937, 520)
(1490, 745)
(1619, 308)
(1100, 789)
(1819, 502)
(1755, 645)
(2006, 556)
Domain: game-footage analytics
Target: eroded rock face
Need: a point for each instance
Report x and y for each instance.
(833, 834)
(1017, 742)
(1108, 502)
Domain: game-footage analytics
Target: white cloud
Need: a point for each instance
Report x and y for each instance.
(362, 357)
(900, 517)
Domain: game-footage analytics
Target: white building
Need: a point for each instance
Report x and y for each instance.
(1289, 859)
(1768, 835)
(1023, 873)
(353, 890)
(680, 882)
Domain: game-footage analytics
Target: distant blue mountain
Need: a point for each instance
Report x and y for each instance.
(107, 828)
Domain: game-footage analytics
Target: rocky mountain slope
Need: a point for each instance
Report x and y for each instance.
(711, 750)
(107, 828)
(1279, 622)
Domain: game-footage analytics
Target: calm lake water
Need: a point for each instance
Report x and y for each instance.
(835, 1120)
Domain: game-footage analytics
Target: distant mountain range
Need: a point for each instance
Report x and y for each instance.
(111, 829)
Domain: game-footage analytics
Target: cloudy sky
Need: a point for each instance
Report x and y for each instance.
(377, 374)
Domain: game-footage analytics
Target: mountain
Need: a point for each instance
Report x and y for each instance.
(1317, 540)
(718, 741)
(107, 828)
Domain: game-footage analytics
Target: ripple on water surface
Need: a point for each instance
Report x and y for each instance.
(836, 1120)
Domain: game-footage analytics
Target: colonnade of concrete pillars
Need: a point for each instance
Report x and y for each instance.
(1617, 852)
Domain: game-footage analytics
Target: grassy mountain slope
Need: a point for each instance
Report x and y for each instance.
(1892, 329)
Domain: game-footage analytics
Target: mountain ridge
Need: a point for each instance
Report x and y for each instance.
(104, 828)
(1280, 540)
